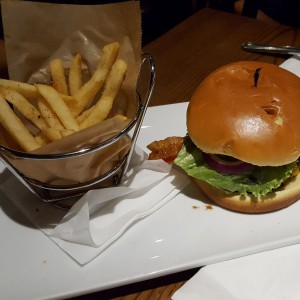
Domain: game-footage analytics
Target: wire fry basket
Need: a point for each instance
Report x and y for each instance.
(64, 196)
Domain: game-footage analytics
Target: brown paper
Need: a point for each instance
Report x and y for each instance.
(34, 34)
(79, 168)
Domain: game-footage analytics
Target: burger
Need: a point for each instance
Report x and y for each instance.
(243, 137)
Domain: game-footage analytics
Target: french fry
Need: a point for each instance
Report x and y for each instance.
(70, 101)
(55, 134)
(7, 140)
(41, 139)
(16, 128)
(34, 115)
(102, 108)
(52, 134)
(84, 115)
(49, 115)
(27, 90)
(61, 108)
(3, 136)
(24, 107)
(121, 118)
(57, 74)
(75, 75)
(92, 87)
(58, 105)
(66, 132)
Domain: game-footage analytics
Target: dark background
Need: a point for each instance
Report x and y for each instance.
(158, 16)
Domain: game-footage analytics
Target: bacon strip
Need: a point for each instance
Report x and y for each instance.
(166, 149)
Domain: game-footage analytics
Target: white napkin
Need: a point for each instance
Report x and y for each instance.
(101, 216)
(292, 64)
(269, 275)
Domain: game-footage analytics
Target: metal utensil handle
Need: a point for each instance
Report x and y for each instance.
(249, 46)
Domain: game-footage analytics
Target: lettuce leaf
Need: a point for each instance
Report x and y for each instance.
(258, 181)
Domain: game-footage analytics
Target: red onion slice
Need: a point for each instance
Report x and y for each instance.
(226, 167)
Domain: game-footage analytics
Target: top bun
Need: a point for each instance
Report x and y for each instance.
(229, 115)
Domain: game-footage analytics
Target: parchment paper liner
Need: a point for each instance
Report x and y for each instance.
(78, 168)
(102, 24)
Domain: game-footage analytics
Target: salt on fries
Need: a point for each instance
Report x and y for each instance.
(16, 128)
(101, 109)
(49, 115)
(25, 89)
(91, 88)
(58, 77)
(66, 105)
(75, 76)
(58, 105)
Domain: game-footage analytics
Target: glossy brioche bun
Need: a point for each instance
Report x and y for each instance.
(259, 125)
(281, 198)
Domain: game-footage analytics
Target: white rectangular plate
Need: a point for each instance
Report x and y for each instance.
(183, 234)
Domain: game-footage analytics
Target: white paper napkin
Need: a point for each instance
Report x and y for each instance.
(292, 64)
(270, 275)
(101, 216)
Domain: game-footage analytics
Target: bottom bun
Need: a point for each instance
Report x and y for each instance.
(280, 198)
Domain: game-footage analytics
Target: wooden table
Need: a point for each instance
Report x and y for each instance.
(205, 41)
(184, 56)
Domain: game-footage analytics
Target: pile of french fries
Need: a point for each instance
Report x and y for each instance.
(65, 106)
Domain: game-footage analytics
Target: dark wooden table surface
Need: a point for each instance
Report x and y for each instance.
(183, 57)
(205, 41)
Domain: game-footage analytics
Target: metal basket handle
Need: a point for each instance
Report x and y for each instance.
(146, 58)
